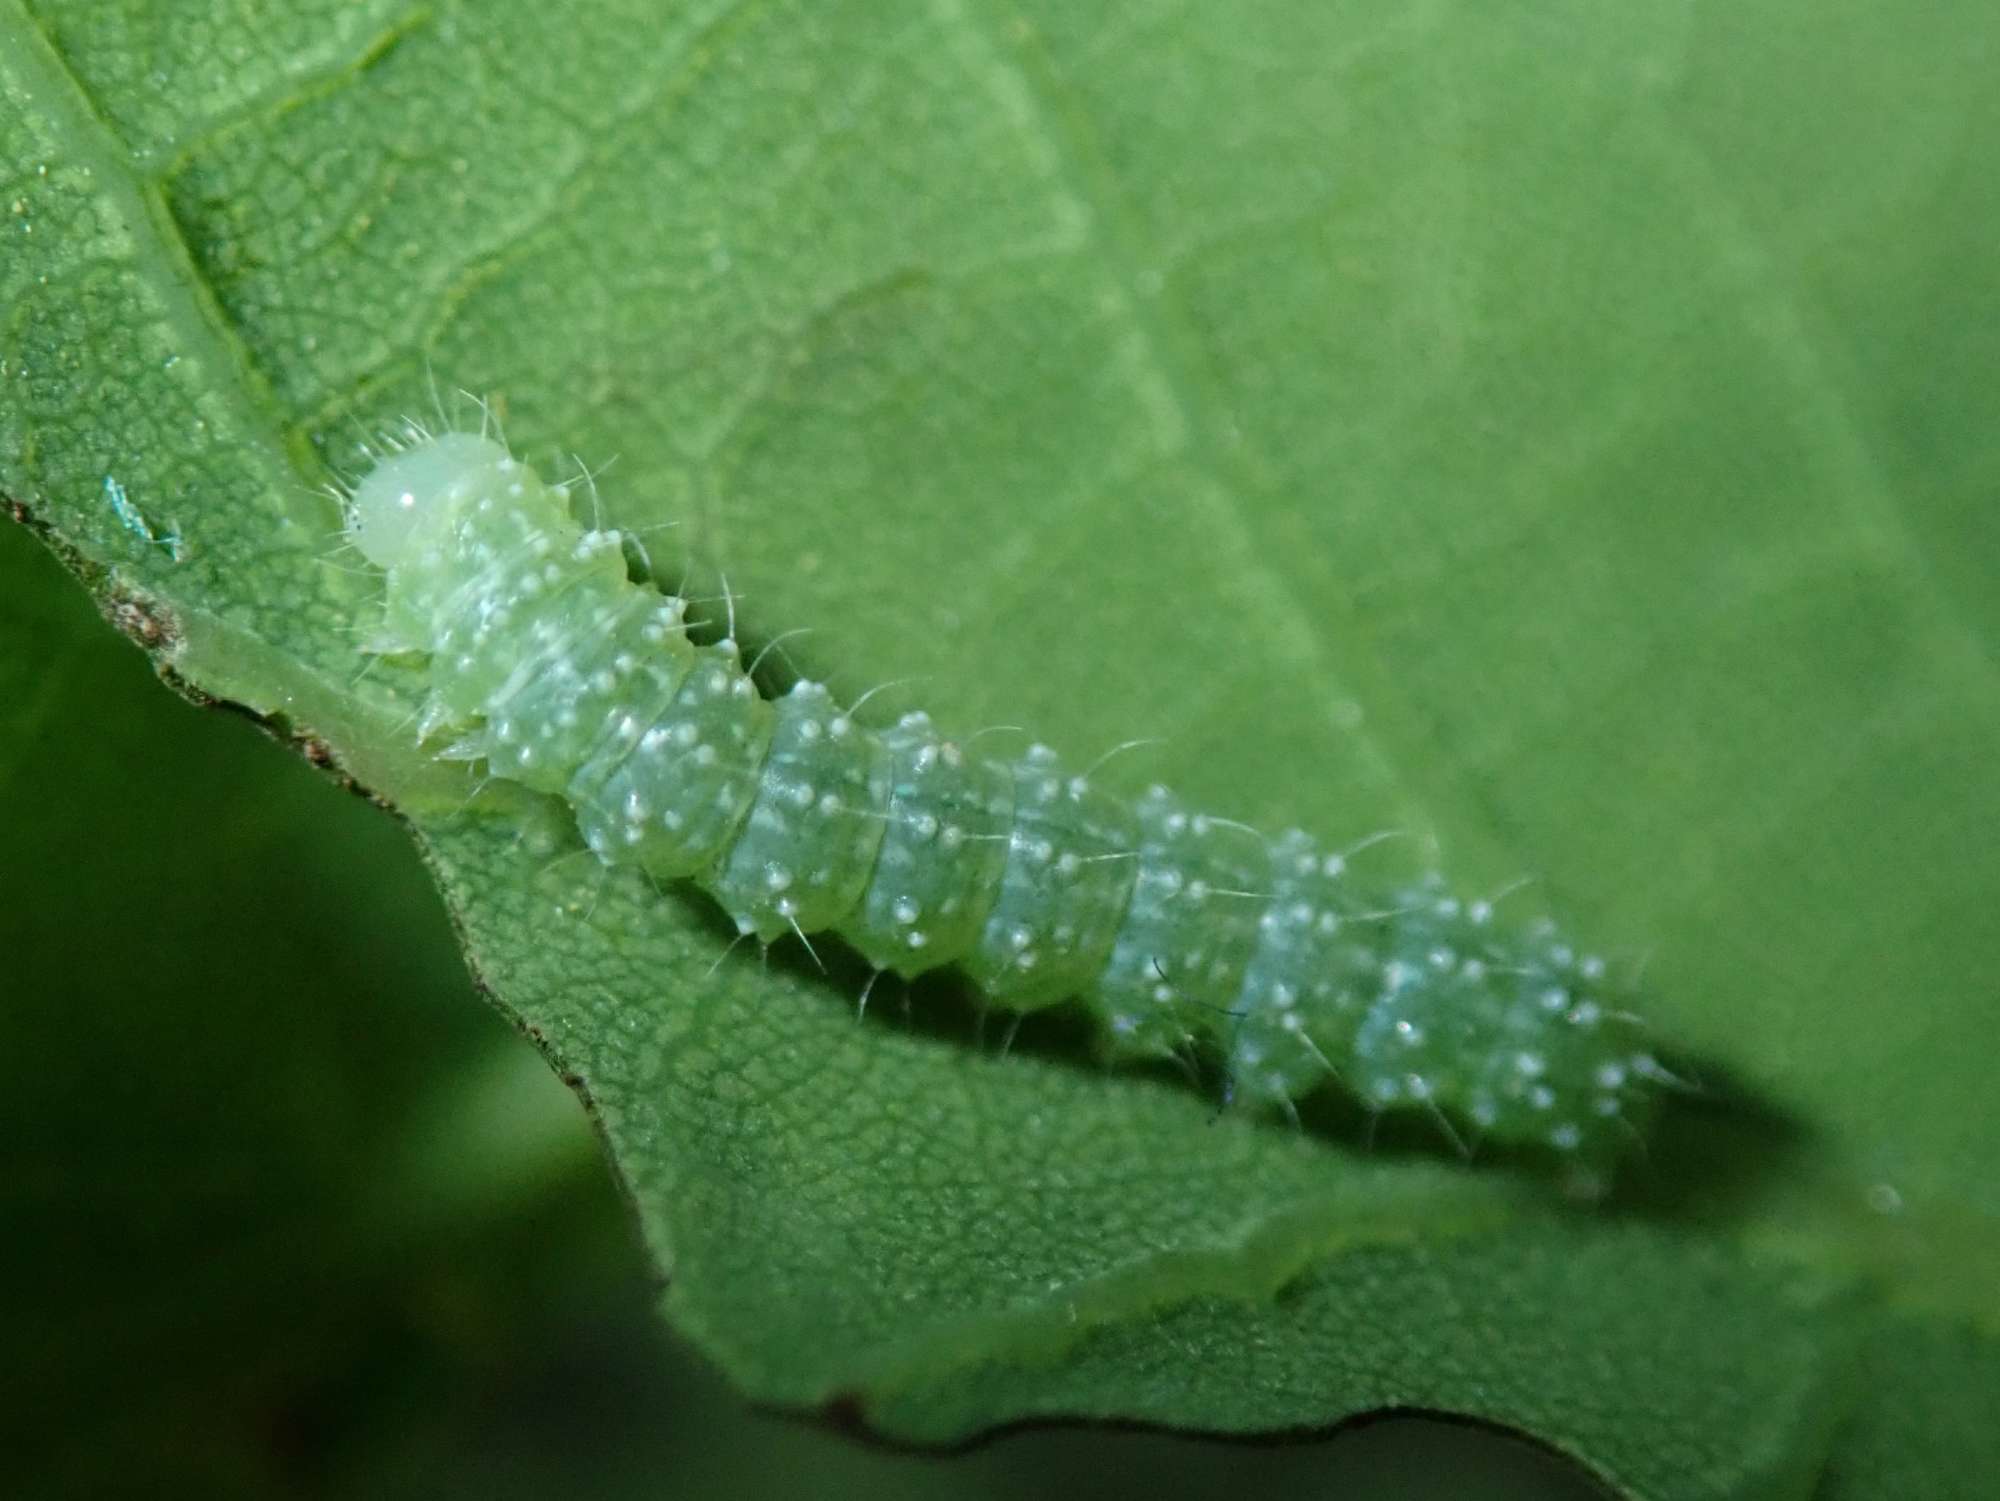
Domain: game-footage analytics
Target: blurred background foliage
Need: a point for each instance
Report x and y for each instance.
(288, 1211)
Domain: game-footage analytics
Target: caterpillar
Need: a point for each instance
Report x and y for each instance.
(1175, 929)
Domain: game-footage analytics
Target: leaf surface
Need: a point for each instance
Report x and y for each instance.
(1559, 435)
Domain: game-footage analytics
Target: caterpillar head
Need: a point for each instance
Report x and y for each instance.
(405, 494)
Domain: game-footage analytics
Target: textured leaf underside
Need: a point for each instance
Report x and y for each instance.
(1561, 434)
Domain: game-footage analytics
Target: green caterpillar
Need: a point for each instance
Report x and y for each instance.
(1176, 930)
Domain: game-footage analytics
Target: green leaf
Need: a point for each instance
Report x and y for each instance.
(258, 1132)
(299, 1218)
(1555, 432)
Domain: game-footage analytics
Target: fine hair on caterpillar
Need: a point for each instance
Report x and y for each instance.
(1178, 932)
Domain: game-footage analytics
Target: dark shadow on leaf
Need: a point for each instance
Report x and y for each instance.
(1556, 1475)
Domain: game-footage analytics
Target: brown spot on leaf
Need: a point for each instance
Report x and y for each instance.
(144, 621)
